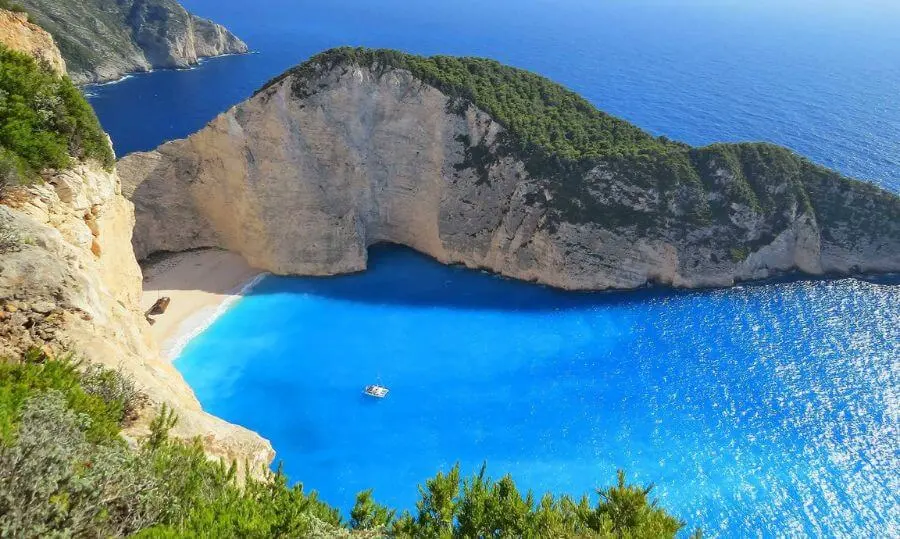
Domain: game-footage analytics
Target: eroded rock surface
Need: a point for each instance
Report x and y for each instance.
(103, 40)
(308, 173)
(18, 34)
(71, 284)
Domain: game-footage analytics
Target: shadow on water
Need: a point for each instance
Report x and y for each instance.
(398, 275)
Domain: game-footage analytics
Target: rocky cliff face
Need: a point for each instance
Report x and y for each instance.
(71, 283)
(334, 157)
(102, 40)
(18, 34)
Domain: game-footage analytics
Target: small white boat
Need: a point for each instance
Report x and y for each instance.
(379, 392)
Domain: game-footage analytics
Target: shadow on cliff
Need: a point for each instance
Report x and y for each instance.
(398, 275)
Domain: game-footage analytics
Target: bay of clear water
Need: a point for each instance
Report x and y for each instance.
(770, 409)
(765, 410)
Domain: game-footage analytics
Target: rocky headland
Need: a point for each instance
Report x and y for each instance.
(475, 163)
(102, 40)
(70, 283)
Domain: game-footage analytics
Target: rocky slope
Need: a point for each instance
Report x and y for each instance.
(342, 153)
(102, 40)
(72, 284)
(18, 34)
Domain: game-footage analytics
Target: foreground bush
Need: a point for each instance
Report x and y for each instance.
(65, 471)
(54, 481)
(44, 120)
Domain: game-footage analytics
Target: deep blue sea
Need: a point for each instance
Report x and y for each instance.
(760, 411)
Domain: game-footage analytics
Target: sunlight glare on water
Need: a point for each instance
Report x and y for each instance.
(770, 408)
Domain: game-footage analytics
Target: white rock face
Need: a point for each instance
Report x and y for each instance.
(103, 39)
(74, 285)
(303, 182)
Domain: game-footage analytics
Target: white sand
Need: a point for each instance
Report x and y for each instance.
(201, 285)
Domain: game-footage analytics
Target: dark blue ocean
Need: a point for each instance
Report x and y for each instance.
(760, 411)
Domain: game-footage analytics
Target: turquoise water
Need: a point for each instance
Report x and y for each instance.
(768, 409)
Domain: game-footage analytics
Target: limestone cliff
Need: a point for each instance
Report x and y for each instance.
(342, 153)
(18, 34)
(71, 284)
(102, 40)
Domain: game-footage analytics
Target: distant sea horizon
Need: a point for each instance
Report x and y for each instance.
(822, 80)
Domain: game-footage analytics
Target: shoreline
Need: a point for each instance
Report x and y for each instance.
(201, 60)
(202, 286)
(175, 345)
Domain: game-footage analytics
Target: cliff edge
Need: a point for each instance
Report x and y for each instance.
(476, 163)
(17, 33)
(103, 40)
(69, 280)
(72, 284)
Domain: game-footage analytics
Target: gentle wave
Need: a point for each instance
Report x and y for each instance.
(173, 350)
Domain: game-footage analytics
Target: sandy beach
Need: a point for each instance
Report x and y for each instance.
(201, 285)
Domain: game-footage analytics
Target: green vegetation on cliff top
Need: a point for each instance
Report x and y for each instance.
(65, 471)
(45, 121)
(560, 137)
(540, 112)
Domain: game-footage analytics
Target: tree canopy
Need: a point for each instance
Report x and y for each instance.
(45, 121)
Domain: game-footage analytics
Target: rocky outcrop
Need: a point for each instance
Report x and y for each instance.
(335, 156)
(102, 40)
(69, 281)
(18, 34)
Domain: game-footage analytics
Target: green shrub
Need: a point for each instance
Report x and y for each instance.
(13, 171)
(112, 387)
(369, 515)
(64, 471)
(738, 254)
(55, 482)
(35, 373)
(478, 506)
(205, 500)
(44, 118)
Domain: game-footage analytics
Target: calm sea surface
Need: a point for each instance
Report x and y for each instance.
(771, 409)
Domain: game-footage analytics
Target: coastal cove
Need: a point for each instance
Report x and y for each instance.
(422, 269)
(768, 408)
(742, 426)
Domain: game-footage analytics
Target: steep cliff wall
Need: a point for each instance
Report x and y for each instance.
(102, 40)
(18, 34)
(336, 156)
(71, 283)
